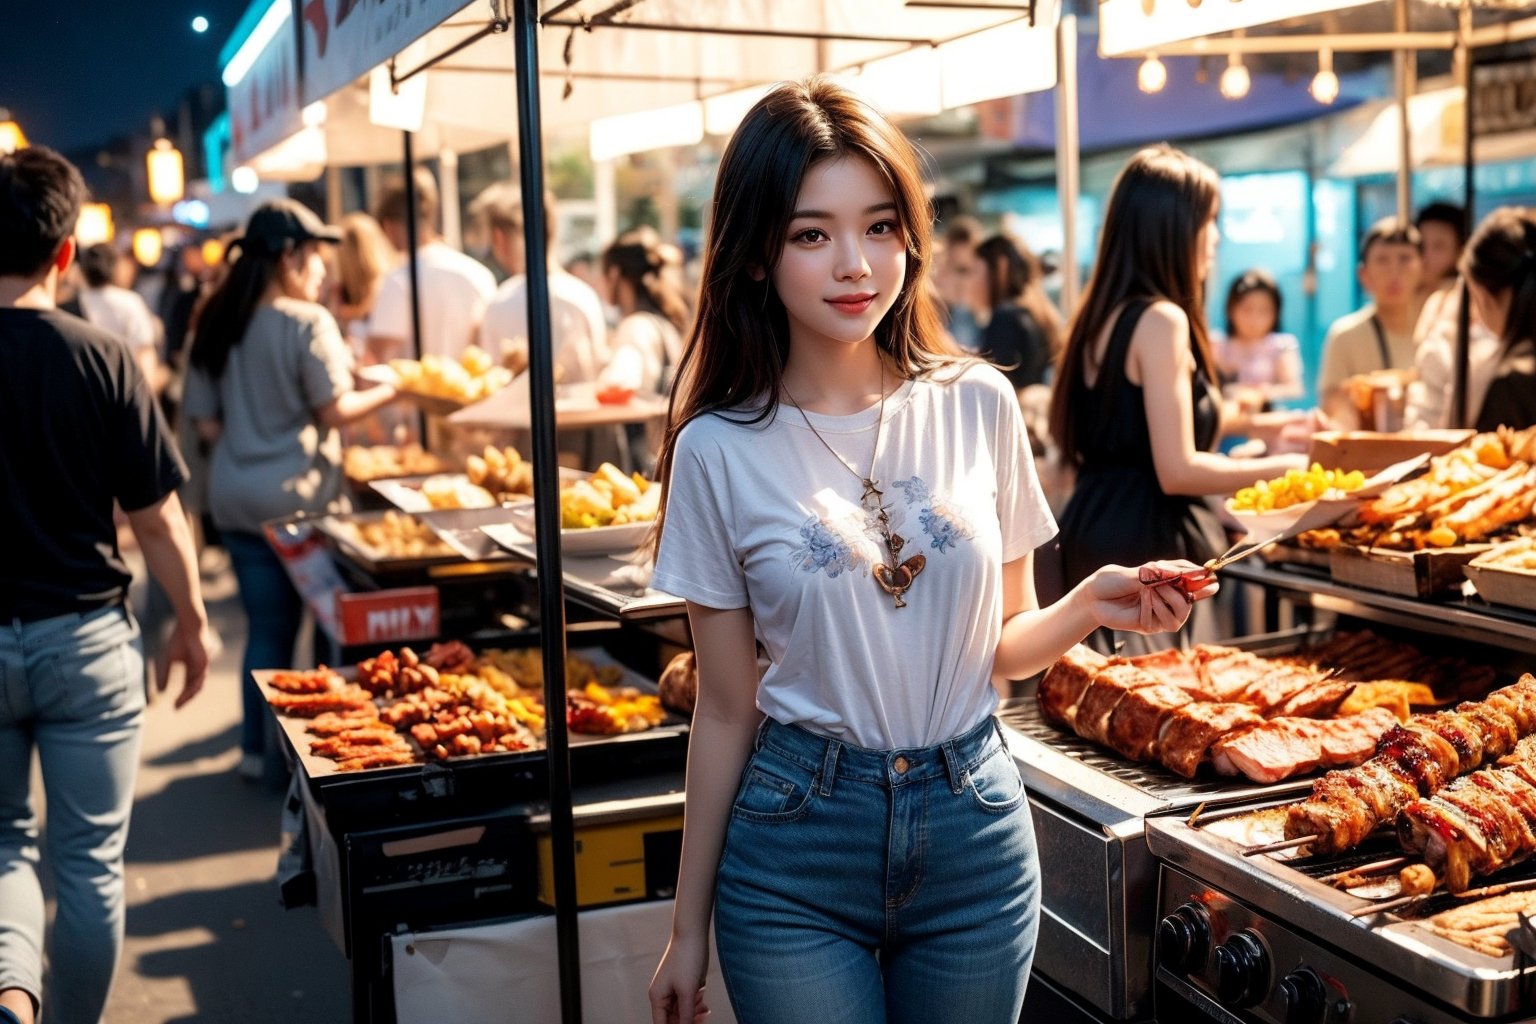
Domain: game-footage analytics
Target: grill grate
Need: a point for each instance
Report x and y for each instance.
(1023, 717)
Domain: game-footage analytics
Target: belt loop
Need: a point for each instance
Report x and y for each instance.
(956, 765)
(762, 730)
(829, 767)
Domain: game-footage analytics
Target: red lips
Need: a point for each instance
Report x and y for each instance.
(857, 302)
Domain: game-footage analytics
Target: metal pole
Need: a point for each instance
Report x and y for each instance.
(546, 490)
(411, 242)
(448, 188)
(1403, 77)
(1068, 168)
(1468, 66)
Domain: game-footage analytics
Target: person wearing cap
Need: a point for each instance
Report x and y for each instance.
(79, 430)
(269, 385)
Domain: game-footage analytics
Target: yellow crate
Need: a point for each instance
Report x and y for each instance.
(610, 860)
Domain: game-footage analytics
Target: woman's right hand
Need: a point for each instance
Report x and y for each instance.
(677, 988)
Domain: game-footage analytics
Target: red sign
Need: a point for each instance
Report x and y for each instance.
(384, 616)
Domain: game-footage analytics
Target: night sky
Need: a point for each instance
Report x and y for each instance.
(74, 74)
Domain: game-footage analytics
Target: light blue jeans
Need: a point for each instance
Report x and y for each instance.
(877, 886)
(71, 688)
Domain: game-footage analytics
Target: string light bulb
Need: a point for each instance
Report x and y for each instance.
(1325, 84)
(1235, 80)
(1152, 75)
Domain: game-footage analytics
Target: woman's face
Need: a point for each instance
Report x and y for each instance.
(1253, 316)
(1492, 308)
(303, 272)
(844, 260)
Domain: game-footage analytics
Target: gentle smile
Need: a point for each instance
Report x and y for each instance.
(852, 303)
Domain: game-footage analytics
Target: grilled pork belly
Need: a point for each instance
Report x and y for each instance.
(1226, 671)
(1065, 682)
(1136, 724)
(1110, 685)
(1189, 731)
(1175, 668)
(1282, 747)
(1478, 824)
(1316, 700)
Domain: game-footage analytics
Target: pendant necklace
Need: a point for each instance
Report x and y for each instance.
(891, 574)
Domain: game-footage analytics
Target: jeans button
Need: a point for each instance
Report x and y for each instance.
(901, 764)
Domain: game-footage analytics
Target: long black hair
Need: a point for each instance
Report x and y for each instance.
(228, 310)
(1501, 256)
(740, 339)
(1244, 285)
(639, 258)
(1148, 249)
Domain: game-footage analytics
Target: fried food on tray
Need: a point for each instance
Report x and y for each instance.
(1296, 487)
(1483, 925)
(395, 535)
(381, 462)
(308, 705)
(317, 680)
(447, 490)
(1416, 880)
(501, 471)
(609, 498)
(469, 378)
(1517, 555)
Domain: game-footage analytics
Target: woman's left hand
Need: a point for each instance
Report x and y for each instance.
(1121, 600)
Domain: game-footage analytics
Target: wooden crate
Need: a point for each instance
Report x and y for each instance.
(1369, 451)
(1498, 585)
(1423, 575)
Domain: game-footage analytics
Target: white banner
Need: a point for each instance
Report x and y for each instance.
(345, 39)
(264, 107)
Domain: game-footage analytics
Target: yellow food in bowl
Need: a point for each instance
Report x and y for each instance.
(1296, 487)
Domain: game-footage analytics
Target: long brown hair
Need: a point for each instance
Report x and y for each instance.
(640, 259)
(740, 339)
(1502, 256)
(1148, 249)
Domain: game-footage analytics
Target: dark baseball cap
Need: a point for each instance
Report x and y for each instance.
(278, 223)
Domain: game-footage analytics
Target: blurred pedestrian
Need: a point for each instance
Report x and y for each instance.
(648, 342)
(1259, 365)
(1023, 332)
(958, 277)
(121, 312)
(1500, 266)
(1378, 338)
(79, 431)
(270, 384)
(1442, 236)
(363, 259)
(453, 288)
(1135, 406)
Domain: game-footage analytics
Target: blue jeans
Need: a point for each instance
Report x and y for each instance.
(274, 612)
(71, 688)
(874, 886)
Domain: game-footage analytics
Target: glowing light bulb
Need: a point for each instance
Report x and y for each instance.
(1325, 84)
(1152, 75)
(1235, 80)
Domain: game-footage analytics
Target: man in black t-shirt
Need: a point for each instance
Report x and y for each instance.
(79, 430)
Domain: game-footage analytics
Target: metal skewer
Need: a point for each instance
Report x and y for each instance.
(1470, 894)
(1392, 904)
(1284, 844)
(1372, 868)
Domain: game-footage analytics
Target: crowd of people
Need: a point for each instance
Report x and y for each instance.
(834, 318)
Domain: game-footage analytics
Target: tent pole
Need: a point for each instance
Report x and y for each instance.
(412, 241)
(1403, 78)
(546, 489)
(1068, 168)
(448, 187)
(1467, 66)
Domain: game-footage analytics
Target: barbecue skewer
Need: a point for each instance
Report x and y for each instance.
(1373, 868)
(1275, 847)
(1403, 901)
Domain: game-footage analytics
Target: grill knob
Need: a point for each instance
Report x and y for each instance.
(1242, 970)
(1305, 997)
(1183, 939)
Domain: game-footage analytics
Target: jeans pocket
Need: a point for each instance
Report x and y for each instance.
(995, 783)
(96, 684)
(770, 795)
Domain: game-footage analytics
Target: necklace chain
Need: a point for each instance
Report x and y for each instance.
(891, 574)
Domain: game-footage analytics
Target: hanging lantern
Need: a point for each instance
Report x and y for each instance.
(1152, 75)
(11, 137)
(94, 225)
(1235, 80)
(148, 246)
(1325, 84)
(167, 180)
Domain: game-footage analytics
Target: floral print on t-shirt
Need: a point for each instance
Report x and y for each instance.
(851, 542)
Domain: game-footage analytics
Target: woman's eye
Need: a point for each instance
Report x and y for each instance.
(884, 227)
(810, 235)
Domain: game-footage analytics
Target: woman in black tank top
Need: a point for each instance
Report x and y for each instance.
(1119, 414)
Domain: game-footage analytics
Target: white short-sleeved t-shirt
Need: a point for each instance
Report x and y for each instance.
(455, 289)
(763, 516)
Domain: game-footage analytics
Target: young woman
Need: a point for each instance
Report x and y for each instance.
(648, 342)
(864, 504)
(270, 383)
(1258, 364)
(1134, 405)
(1500, 266)
(1023, 334)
